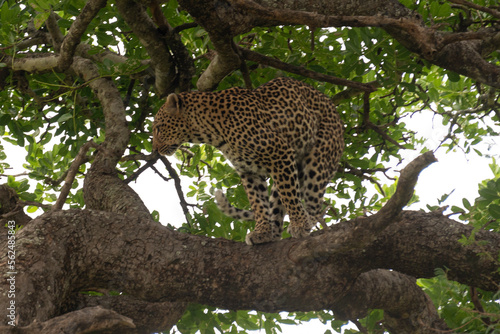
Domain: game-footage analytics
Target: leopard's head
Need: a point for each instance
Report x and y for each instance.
(169, 126)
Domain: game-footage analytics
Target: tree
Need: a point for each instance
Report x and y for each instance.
(80, 83)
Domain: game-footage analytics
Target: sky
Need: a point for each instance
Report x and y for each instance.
(454, 172)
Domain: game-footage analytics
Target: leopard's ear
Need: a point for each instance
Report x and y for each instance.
(173, 105)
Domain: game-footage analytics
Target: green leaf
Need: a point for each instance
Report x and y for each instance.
(453, 76)
(489, 194)
(32, 209)
(494, 210)
(466, 203)
(64, 117)
(40, 19)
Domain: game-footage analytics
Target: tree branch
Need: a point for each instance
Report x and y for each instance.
(261, 59)
(76, 31)
(313, 19)
(490, 11)
(117, 132)
(88, 320)
(404, 191)
(406, 307)
(178, 187)
(144, 28)
(440, 48)
(73, 169)
(54, 31)
(98, 249)
(147, 317)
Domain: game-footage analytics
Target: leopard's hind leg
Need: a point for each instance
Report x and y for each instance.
(319, 167)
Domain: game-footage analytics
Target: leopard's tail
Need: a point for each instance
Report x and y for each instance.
(230, 210)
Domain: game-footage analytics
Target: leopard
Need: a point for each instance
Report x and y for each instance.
(284, 130)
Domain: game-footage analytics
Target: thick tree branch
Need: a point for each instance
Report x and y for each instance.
(103, 189)
(407, 309)
(446, 50)
(189, 269)
(117, 132)
(147, 317)
(38, 64)
(209, 14)
(112, 251)
(88, 320)
(54, 31)
(273, 277)
(144, 28)
(181, 56)
(313, 19)
(404, 191)
(76, 31)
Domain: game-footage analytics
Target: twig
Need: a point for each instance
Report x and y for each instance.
(178, 187)
(243, 68)
(359, 172)
(20, 205)
(33, 203)
(186, 150)
(73, 169)
(259, 58)
(377, 128)
(352, 91)
(474, 296)
(15, 175)
(149, 163)
(493, 12)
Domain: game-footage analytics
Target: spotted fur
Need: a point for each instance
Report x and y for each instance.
(284, 129)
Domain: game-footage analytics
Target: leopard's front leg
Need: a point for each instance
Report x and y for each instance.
(256, 189)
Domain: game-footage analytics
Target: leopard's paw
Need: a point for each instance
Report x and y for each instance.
(255, 237)
(300, 230)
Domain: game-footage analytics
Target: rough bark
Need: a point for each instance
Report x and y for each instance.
(64, 252)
